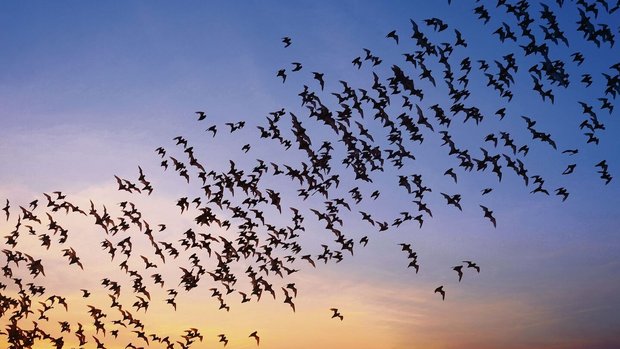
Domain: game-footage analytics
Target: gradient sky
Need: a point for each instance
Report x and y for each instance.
(89, 89)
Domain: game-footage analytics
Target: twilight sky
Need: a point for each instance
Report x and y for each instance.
(88, 90)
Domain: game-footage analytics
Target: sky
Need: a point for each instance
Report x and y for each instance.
(89, 90)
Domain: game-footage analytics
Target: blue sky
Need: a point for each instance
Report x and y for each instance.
(88, 90)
